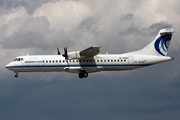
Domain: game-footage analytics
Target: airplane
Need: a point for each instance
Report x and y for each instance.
(89, 61)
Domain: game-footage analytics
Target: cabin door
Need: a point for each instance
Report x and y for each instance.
(131, 61)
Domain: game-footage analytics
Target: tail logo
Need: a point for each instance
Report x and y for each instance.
(162, 43)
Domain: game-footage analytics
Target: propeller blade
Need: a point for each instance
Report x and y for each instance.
(65, 49)
(58, 52)
(65, 53)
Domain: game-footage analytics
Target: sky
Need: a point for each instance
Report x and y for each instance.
(118, 26)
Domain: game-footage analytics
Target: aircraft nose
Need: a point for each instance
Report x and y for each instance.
(8, 66)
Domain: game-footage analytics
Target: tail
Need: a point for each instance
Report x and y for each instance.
(158, 47)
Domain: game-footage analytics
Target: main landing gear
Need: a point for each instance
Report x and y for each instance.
(83, 74)
(16, 74)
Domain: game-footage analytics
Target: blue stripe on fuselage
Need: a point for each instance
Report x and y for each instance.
(99, 65)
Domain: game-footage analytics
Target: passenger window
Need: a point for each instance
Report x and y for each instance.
(111, 60)
(114, 60)
(59, 60)
(76, 60)
(69, 60)
(90, 61)
(50, 61)
(121, 60)
(97, 60)
(22, 59)
(108, 60)
(101, 60)
(83, 60)
(46, 61)
(53, 61)
(124, 60)
(63, 60)
(56, 61)
(118, 60)
(79, 60)
(87, 61)
(43, 61)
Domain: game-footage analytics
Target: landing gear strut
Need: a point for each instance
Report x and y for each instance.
(83, 74)
(16, 74)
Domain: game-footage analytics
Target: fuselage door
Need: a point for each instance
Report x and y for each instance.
(131, 61)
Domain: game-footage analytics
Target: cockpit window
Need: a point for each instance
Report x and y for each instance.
(18, 59)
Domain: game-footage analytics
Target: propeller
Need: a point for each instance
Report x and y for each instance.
(65, 53)
(58, 52)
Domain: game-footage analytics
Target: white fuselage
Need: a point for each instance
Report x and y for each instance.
(101, 62)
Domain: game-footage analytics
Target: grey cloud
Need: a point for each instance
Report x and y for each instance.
(154, 28)
(121, 97)
(151, 30)
(46, 43)
(90, 25)
(131, 30)
(36, 33)
(27, 40)
(29, 5)
(126, 17)
(160, 25)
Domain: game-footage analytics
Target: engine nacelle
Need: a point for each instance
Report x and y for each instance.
(74, 55)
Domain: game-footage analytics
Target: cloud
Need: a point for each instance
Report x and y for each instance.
(117, 98)
(35, 33)
(126, 17)
(11, 21)
(63, 14)
(30, 6)
(154, 28)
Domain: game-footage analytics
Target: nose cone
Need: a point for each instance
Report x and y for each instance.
(8, 66)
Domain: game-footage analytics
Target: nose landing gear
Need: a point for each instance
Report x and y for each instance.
(16, 74)
(83, 74)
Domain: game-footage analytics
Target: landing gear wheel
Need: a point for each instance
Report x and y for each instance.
(81, 75)
(85, 74)
(16, 76)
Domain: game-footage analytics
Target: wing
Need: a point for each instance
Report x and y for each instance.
(90, 52)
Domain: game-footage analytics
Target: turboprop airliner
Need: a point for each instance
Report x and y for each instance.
(89, 61)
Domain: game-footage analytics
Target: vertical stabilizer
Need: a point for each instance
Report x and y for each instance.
(159, 46)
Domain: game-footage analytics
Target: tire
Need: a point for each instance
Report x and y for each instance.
(16, 76)
(81, 75)
(85, 74)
